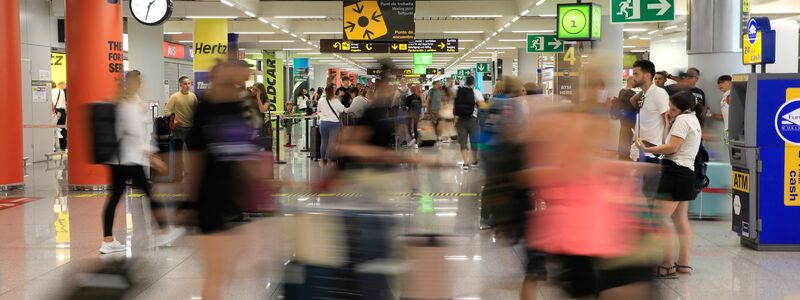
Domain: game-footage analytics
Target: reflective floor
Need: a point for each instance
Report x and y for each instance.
(56, 233)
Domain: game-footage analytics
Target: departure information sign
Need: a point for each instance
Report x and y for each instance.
(578, 22)
(340, 46)
(379, 20)
(432, 45)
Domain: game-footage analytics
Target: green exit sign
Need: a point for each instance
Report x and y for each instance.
(627, 11)
(420, 70)
(423, 59)
(578, 22)
(483, 67)
(464, 72)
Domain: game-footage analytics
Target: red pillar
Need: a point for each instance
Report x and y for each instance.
(94, 73)
(12, 173)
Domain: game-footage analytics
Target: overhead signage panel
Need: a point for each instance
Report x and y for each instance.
(629, 11)
(429, 45)
(544, 44)
(379, 20)
(578, 22)
(483, 67)
(340, 46)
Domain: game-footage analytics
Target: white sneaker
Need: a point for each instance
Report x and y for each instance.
(465, 167)
(167, 239)
(112, 247)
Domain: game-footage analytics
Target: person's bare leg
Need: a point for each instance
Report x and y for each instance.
(664, 212)
(529, 290)
(681, 219)
(219, 259)
(465, 156)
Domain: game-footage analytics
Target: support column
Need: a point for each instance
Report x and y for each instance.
(12, 173)
(146, 54)
(714, 47)
(609, 49)
(94, 31)
(528, 66)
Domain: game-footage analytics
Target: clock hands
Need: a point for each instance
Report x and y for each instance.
(148, 9)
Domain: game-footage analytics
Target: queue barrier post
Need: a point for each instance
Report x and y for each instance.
(278, 140)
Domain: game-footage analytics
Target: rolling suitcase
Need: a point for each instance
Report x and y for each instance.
(169, 150)
(426, 134)
(260, 193)
(316, 142)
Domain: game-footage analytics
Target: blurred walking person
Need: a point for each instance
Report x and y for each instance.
(136, 152)
(223, 155)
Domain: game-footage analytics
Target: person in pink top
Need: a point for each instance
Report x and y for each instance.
(583, 203)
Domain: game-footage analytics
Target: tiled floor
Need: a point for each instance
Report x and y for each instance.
(43, 243)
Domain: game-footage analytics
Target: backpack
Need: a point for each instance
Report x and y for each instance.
(700, 168)
(105, 143)
(464, 104)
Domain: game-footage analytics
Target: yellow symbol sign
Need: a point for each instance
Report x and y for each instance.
(364, 21)
(741, 181)
(751, 52)
(345, 46)
(403, 47)
(337, 45)
(442, 45)
(368, 46)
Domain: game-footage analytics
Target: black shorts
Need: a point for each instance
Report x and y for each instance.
(581, 277)
(677, 182)
(536, 267)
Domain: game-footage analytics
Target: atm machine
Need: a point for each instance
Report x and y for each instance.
(764, 130)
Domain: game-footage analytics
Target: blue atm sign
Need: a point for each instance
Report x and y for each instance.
(758, 44)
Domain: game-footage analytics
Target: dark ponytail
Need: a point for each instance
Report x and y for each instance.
(687, 102)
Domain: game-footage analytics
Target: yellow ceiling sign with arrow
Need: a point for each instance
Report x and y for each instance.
(364, 21)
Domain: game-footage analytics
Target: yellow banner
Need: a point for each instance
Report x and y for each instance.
(58, 67)
(210, 42)
(791, 163)
(751, 53)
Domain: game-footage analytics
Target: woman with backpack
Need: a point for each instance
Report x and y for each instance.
(677, 184)
(136, 150)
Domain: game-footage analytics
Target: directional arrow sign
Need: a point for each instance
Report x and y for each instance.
(626, 11)
(483, 67)
(544, 44)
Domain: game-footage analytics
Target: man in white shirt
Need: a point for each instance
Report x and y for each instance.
(59, 108)
(653, 106)
(724, 83)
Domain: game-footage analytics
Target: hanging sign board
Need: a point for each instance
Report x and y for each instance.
(379, 20)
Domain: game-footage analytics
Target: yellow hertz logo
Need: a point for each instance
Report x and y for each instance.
(741, 181)
(364, 21)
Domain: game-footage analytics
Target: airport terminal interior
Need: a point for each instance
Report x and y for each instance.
(400, 149)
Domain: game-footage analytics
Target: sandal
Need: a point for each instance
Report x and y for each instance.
(688, 269)
(668, 272)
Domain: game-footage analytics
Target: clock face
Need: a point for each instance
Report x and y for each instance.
(151, 12)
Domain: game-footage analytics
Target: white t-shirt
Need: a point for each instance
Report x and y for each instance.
(687, 127)
(59, 99)
(325, 112)
(478, 100)
(725, 104)
(650, 123)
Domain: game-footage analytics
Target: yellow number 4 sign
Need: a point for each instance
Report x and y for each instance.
(363, 21)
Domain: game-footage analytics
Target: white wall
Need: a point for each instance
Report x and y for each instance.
(786, 47)
(669, 56)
